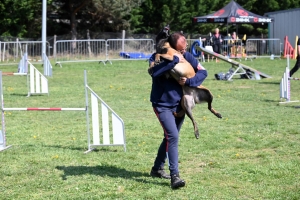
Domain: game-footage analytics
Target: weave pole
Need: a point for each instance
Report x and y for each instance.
(118, 128)
(285, 85)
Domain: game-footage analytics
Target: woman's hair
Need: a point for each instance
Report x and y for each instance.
(173, 38)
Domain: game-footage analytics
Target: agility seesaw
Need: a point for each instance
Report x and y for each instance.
(239, 67)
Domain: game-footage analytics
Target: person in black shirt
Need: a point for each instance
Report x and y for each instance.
(217, 40)
(297, 65)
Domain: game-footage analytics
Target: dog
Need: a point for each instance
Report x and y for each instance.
(191, 95)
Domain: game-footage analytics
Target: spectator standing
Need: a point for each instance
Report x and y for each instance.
(217, 40)
(235, 45)
(297, 65)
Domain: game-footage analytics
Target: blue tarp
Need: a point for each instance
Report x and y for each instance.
(134, 55)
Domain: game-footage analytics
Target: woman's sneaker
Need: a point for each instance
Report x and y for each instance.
(160, 173)
(176, 182)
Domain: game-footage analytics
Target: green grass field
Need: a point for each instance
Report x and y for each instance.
(252, 153)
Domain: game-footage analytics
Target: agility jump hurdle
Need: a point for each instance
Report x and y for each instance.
(22, 68)
(37, 83)
(118, 128)
(285, 85)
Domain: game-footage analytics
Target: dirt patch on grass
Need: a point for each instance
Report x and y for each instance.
(244, 86)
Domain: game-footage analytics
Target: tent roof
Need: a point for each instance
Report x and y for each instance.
(232, 13)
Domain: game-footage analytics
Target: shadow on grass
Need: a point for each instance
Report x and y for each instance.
(292, 105)
(271, 101)
(283, 103)
(274, 83)
(20, 95)
(84, 149)
(65, 147)
(111, 171)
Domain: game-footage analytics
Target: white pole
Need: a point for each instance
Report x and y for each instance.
(44, 109)
(44, 27)
(2, 131)
(123, 38)
(87, 112)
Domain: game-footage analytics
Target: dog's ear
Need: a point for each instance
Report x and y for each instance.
(163, 34)
(167, 27)
(167, 30)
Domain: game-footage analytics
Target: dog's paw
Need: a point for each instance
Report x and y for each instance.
(219, 115)
(175, 114)
(157, 61)
(150, 71)
(216, 113)
(197, 135)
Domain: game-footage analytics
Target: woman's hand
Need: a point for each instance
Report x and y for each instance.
(182, 80)
(180, 56)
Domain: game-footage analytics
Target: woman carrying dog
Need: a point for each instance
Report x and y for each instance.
(165, 96)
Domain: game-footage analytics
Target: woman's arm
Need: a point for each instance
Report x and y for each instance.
(201, 72)
(163, 67)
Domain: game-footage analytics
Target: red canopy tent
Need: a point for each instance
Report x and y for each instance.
(232, 13)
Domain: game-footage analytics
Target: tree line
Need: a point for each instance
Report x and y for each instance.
(23, 19)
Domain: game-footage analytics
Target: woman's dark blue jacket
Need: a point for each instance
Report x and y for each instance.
(166, 92)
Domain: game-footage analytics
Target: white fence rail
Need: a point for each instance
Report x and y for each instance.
(13, 51)
(254, 47)
(101, 50)
(80, 50)
(264, 47)
(119, 49)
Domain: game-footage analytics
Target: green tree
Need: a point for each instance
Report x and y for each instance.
(69, 9)
(23, 18)
(20, 18)
(97, 15)
(177, 13)
(115, 15)
(135, 19)
(200, 8)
